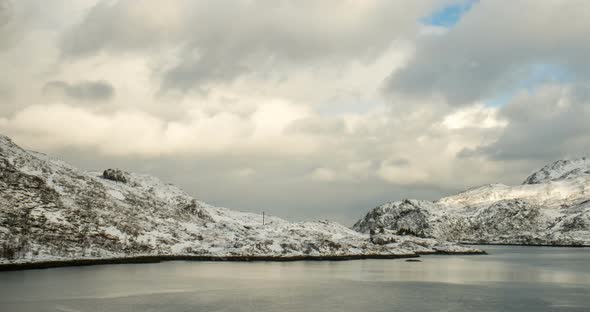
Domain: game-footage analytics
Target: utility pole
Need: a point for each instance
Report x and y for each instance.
(263, 218)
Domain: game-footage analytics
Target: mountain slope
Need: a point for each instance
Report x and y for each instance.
(50, 210)
(560, 170)
(552, 207)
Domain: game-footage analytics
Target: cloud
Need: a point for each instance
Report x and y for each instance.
(480, 58)
(549, 124)
(5, 12)
(18, 18)
(218, 41)
(277, 100)
(354, 148)
(317, 125)
(355, 172)
(475, 116)
(135, 133)
(244, 173)
(323, 174)
(5, 92)
(11, 28)
(402, 176)
(84, 90)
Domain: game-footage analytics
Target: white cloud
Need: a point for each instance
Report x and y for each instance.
(136, 133)
(475, 116)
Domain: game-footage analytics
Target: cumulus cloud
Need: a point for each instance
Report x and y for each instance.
(218, 41)
(548, 124)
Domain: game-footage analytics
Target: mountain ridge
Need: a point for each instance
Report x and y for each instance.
(51, 211)
(551, 207)
(560, 170)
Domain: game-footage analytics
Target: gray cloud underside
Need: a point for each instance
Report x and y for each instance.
(218, 41)
(84, 90)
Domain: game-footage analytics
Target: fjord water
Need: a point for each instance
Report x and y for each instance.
(508, 279)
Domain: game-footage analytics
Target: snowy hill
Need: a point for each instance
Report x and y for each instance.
(50, 210)
(552, 207)
(560, 170)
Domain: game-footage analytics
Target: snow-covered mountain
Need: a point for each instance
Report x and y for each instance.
(560, 170)
(552, 207)
(50, 210)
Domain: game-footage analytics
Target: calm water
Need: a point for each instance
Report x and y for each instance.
(509, 279)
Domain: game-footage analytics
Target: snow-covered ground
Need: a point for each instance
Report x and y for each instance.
(552, 207)
(50, 210)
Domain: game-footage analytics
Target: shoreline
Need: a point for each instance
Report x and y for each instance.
(523, 245)
(5, 267)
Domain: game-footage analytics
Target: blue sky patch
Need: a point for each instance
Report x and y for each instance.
(449, 16)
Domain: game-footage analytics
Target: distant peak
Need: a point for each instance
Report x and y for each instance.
(560, 170)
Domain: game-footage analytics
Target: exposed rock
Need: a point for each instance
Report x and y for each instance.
(115, 175)
(195, 208)
(407, 217)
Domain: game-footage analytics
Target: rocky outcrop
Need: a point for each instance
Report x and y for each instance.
(552, 207)
(115, 175)
(406, 217)
(423, 246)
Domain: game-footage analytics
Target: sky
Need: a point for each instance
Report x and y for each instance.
(303, 109)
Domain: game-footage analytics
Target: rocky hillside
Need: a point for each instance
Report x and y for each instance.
(560, 170)
(552, 207)
(50, 210)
